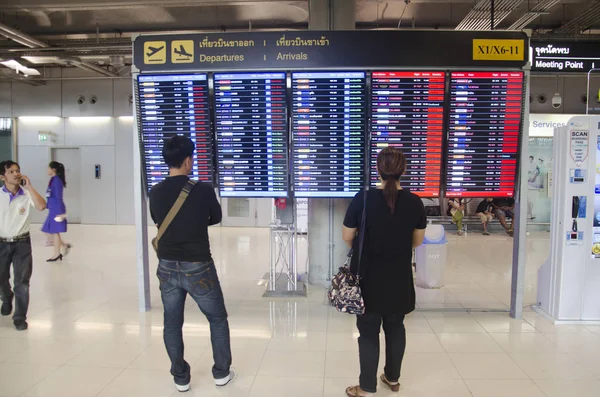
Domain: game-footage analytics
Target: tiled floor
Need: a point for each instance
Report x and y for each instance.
(86, 337)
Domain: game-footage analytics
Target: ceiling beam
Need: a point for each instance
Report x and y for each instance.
(84, 5)
(540, 8)
(479, 18)
(588, 18)
(32, 42)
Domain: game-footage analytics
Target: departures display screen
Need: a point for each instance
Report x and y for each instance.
(174, 105)
(328, 127)
(251, 132)
(407, 112)
(483, 133)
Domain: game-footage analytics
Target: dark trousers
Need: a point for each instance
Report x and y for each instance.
(369, 325)
(19, 254)
(199, 279)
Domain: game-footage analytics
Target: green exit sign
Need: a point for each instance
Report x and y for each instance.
(42, 137)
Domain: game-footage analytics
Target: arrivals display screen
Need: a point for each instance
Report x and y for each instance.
(251, 130)
(174, 105)
(407, 112)
(483, 133)
(328, 116)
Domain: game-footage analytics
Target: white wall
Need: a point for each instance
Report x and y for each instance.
(99, 204)
(97, 130)
(5, 100)
(34, 163)
(124, 167)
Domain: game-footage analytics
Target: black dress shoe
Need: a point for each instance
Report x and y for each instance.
(58, 258)
(20, 325)
(6, 308)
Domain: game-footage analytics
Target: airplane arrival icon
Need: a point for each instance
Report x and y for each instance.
(181, 51)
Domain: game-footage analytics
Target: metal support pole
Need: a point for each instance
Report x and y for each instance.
(283, 270)
(520, 221)
(141, 225)
(330, 241)
(492, 5)
(588, 93)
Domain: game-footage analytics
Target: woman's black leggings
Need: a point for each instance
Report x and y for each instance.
(369, 325)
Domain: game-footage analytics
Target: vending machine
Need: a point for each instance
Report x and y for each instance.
(569, 282)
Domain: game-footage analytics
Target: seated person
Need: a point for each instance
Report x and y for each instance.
(504, 208)
(456, 210)
(485, 213)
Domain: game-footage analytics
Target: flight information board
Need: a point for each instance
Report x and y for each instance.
(174, 105)
(483, 133)
(251, 128)
(328, 116)
(407, 112)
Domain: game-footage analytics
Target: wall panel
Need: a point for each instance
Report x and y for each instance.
(98, 198)
(122, 89)
(102, 90)
(34, 163)
(5, 99)
(28, 129)
(124, 170)
(43, 100)
(89, 131)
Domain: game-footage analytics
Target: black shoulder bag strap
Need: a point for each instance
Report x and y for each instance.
(361, 232)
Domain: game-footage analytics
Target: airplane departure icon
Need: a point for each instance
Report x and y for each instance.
(181, 51)
(154, 50)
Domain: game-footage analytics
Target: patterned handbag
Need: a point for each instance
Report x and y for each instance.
(345, 293)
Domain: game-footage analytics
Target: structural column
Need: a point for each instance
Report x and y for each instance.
(142, 259)
(326, 249)
(520, 222)
(331, 14)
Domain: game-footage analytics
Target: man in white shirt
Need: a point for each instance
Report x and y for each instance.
(17, 196)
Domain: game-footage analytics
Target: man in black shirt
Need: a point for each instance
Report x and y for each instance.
(185, 263)
(504, 208)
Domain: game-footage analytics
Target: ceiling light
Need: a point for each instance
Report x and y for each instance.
(17, 67)
(39, 60)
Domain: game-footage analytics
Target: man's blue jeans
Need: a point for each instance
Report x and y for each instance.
(200, 280)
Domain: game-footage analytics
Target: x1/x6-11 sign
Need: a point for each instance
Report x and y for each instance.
(498, 50)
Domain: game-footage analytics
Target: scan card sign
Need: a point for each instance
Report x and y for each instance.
(579, 146)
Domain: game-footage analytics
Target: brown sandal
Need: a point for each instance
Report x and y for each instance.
(395, 387)
(354, 391)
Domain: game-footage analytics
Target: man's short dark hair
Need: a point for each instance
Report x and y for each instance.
(176, 150)
(5, 165)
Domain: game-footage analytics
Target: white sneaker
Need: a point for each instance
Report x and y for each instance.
(182, 388)
(225, 381)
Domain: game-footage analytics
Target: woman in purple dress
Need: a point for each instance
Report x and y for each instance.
(56, 223)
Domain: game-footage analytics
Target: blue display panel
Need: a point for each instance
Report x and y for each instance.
(174, 105)
(251, 128)
(328, 127)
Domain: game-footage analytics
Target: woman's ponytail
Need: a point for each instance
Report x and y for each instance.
(391, 165)
(390, 191)
(59, 168)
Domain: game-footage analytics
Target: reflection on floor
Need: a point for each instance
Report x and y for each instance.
(86, 337)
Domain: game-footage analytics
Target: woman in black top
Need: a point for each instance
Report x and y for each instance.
(395, 224)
